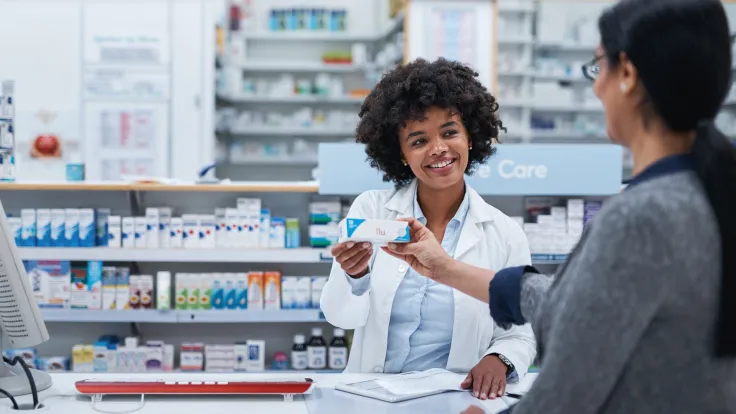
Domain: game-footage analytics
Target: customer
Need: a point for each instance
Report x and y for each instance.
(426, 125)
(642, 317)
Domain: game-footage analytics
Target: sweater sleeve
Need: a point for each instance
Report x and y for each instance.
(599, 310)
(515, 294)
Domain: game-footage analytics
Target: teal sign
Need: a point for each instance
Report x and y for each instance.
(516, 169)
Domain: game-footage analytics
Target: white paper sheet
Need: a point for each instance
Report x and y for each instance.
(420, 382)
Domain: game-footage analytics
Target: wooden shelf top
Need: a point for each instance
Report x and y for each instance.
(232, 187)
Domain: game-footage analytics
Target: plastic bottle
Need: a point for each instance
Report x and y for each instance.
(299, 355)
(338, 356)
(317, 350)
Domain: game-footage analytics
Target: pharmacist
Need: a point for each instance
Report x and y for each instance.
(425, 126)
(642, 317)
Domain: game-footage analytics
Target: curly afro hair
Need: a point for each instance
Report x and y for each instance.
(406, 93)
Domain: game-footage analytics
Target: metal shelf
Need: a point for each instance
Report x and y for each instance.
(219, 255)
(120, 316)
(567, 108)
(295, 99)
(297, 66)
(183, 316)
(251, 316)
(286, 131)
(566, 47)
(394, 26)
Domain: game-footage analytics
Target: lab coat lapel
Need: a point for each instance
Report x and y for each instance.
(401, 205)
(472, 230)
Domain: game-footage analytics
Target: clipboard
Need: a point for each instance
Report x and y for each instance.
(372, 389)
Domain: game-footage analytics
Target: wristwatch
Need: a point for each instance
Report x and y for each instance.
(509, 366)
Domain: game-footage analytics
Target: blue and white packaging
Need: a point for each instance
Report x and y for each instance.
(102, 226)
(374, 231)
(241, 235)
(141, 226)
(176, 233)
(232, 219)
(241, 290)
(128, 229)
(221, 227)
(87, 227)
(277, 237)
(249, 210)
(15, 227)
(71, 227)
(190, 235)
(207, 231)
(58, 225)
(264, 228)
(152, 228)
(164, 227)
(303, 293)
(323, 212)
(28, 227)
(43, 227)
(114, 232)
(218, 291)
(230, 291)
(288, 292)
(318, 283)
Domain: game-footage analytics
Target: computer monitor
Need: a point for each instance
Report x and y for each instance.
(21, 323)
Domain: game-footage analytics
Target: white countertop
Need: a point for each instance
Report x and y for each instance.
(62, 397)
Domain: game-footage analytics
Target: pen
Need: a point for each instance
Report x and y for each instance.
(512, 395)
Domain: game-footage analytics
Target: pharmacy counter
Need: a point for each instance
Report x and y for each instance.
(62, 398)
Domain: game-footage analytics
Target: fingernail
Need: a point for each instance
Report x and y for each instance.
(493, 395)
(367, 245)
(475, 395)
(350, 245)
(483, 396)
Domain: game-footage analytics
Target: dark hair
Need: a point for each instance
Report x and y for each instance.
(682, 53)
(406, 93)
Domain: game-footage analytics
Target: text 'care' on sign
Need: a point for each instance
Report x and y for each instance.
(510, 170)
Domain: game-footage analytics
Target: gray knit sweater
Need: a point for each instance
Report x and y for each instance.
(627, 325)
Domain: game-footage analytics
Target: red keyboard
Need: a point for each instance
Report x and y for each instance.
(138, 387)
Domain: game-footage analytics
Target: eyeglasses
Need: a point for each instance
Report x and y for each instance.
(591, 69)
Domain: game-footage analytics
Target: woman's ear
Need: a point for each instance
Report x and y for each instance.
(628, 75)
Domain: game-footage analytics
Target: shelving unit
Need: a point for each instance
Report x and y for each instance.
(247, 134)
(219, 255)
(183, 316)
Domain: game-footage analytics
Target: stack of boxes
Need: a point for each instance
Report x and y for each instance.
(71, 227)
(557, 229)
(245, 291)
(107, 355)
(324, 228)
(247, 226)
(58, 284)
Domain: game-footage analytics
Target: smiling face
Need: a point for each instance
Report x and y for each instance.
(436, 148)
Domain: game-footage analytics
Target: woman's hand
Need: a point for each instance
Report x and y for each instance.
(424, 253)
(353, 257)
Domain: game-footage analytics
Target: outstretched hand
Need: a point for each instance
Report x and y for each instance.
(424, 253)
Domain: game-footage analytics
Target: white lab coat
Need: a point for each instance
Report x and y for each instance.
(488, 239)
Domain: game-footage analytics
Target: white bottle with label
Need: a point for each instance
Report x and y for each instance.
(317, 350)
(299, 354)
(338, 354)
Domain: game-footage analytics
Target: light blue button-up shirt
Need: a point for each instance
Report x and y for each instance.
(423, 311)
